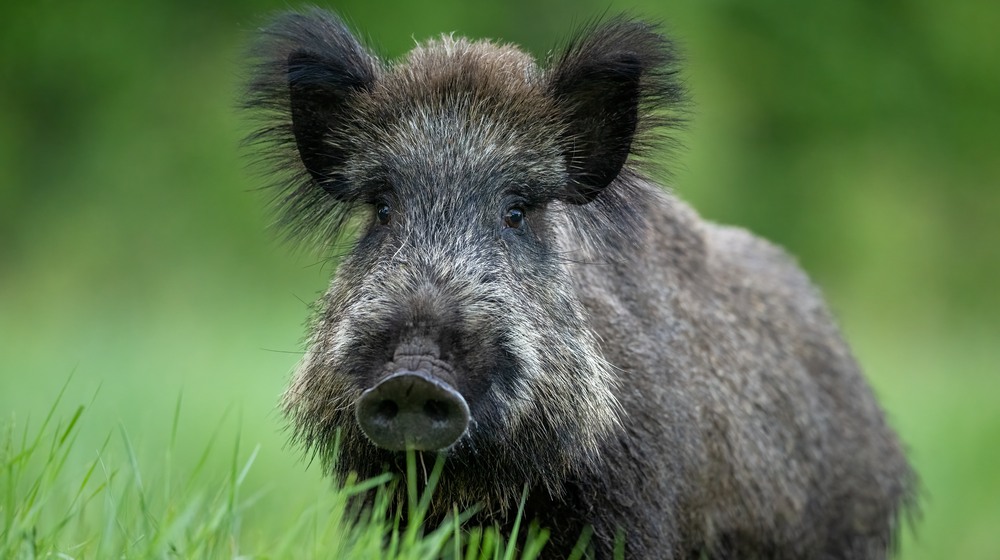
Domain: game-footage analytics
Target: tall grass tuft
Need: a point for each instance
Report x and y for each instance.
(62, 502)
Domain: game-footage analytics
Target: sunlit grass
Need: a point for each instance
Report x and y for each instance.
(60, 501)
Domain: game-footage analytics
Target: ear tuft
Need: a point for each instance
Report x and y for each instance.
(309, 67)
(616, 86)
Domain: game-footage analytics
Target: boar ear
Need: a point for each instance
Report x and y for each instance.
(320, 84)
(613, 86)
(309, 68)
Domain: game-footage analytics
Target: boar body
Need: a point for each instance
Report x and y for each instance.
(521, 298)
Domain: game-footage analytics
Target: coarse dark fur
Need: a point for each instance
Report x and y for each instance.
(643, 371)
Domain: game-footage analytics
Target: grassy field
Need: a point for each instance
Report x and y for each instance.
(63, 499)
(149, 454)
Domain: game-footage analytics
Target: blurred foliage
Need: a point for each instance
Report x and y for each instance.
(863, 136)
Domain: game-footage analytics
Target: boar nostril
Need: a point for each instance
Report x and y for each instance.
(437, 411)
(387, 410)
(412, 410)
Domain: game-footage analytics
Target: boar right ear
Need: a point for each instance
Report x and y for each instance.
(320, 86)
(309, 68)
(614, 85)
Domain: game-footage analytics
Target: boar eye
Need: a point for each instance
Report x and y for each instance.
(383, 212)
(514, 217)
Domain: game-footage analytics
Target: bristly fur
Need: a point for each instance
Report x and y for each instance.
(615, 47)
(315, 206)
(306, 211)
(642, 371)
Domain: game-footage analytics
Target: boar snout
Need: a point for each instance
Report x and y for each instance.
(412, 410)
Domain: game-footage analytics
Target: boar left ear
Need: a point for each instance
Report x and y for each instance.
(611, 86)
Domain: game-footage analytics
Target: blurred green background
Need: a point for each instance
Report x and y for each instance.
(135, 254)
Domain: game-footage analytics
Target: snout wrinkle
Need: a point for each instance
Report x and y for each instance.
(420, 355)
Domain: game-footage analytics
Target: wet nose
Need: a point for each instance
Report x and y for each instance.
(412, 410)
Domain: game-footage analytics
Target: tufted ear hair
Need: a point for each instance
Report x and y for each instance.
(319, 86)
(309, 68)
(614, 84)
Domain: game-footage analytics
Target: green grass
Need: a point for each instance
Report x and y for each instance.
(938, 385)
(122, 465)
(62, 501)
